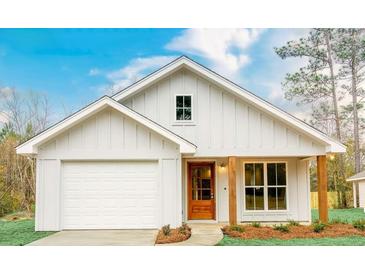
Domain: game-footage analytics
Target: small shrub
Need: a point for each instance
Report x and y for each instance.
(293, 223)
(256, 224)
(181, 230)
(185, 226)
(318, 227)
(184, 229)
(237, 228)
(166, 230)
(359, 224)
(281, 228)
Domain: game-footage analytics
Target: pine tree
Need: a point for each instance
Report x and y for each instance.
(317, 84)
(350, 52)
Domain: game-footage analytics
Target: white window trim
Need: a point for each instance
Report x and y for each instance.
(266, 203)
(192, 110)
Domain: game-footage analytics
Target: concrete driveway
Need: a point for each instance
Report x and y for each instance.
(99, 238)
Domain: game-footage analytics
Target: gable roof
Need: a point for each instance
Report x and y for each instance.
(357, 177)
(31, 146)
(332, 145)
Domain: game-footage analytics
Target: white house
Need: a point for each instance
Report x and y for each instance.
(183, 144)
(358, 182)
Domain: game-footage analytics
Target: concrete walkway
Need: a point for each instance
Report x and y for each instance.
(143, 237)
(202, 235)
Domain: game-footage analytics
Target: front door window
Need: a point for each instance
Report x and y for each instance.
(201, 178)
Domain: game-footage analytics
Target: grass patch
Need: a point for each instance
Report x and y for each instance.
(340, 241)
(19, 232)
(344, 215)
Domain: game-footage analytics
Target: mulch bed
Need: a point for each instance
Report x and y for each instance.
(301, 231)
(176, 235)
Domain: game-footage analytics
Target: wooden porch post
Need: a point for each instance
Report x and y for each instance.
(322, 188)
(232, 190)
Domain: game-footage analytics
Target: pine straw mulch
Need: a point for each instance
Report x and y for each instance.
(301, 231)
(176, 235)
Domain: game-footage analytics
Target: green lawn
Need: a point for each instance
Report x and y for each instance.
(19, 232)
(347, 215)
(341, 241)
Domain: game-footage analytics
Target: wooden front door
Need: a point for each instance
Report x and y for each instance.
(201, 192)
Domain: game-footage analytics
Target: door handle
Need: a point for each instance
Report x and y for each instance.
(211, 195)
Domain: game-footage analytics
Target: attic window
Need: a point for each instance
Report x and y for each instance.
(183, 107)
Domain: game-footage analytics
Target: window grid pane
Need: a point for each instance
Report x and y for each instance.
(259, 174)
(281, 198)
(187, 101)
(179, 114)
(281, 174)
(179, 101)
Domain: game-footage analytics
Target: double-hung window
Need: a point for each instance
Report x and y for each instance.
(183, 108)
(265, 186)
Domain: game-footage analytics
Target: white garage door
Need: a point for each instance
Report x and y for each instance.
(109, 195)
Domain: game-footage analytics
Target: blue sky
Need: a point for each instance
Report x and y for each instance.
(76, 66)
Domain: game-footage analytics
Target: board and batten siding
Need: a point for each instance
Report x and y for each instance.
(223, 124)
(106, 136)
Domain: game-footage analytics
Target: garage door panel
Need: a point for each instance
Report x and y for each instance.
(110, 195)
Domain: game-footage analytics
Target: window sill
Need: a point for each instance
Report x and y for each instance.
(184, 123)
(266, 211)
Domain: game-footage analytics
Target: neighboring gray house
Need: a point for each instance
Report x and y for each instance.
(182, 144)
(358, 186)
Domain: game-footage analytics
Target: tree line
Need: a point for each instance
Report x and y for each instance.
(332, 83)
(25, 114)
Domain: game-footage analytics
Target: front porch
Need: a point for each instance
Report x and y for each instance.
(237, 189)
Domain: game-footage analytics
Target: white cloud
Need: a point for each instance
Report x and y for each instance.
(225, 49)
(94, 72)
(136, 69)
